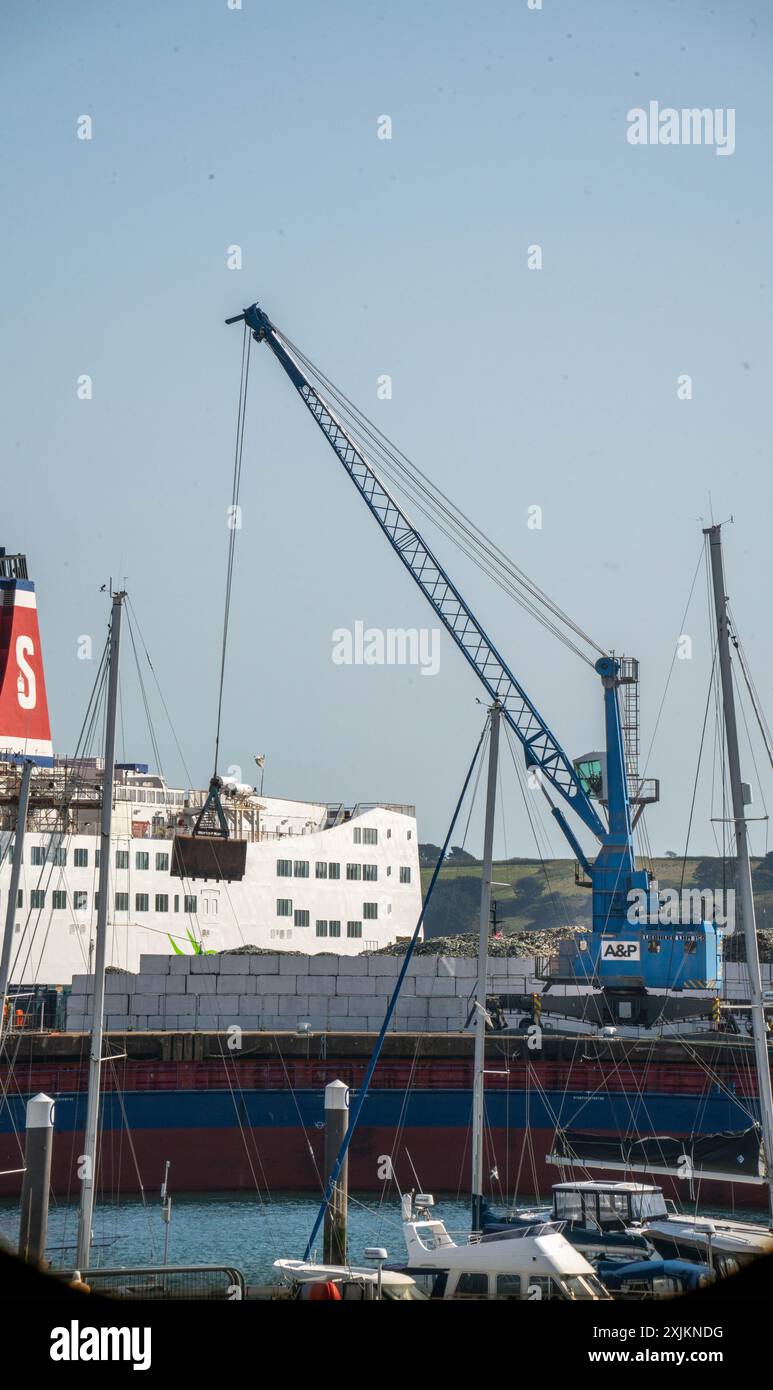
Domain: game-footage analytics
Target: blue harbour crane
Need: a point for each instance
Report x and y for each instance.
(642, 970)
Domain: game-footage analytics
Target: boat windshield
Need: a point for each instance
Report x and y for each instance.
(585, 1286)
(647, 1206)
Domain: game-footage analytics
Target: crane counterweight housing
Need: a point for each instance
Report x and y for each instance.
(627, 960)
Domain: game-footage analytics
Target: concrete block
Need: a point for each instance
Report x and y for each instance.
(263, 965)
(324, 964)
(235, 965)
(293, 965)
(201, 984)
(352, 965)
(120, 982)
(427, 987)
(76, 1023)
(237, 984)
(158, 1022)
(286, 1023)
(186, 1023)
(267, 1004)
(205, 965)
(287, 984)
(151, 984)
(114, 1003)
(209, 1006)
(155, 965)
(424, 965)
(249, 1023)
(358, 1023)
(144, 1004)
(338, 1006)
(385, 965)
(355, 986)
(298, 1007)
(177, 1003)
(170, 1024)
(81, 984)
(460, 968)
(438, 1008)
(320, 984)
(180, 965)
(122, 1021)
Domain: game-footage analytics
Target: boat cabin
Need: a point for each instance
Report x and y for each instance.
(607, 1205)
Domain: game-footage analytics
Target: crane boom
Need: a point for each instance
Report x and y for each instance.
(542, 749)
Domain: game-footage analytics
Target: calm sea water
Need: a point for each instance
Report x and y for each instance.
(220, 1228)
(229, 1228)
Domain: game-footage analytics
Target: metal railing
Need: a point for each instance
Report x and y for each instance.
(211, 1283)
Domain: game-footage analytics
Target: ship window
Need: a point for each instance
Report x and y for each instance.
(60, 857)
(38, 897)
(122, 859)
(284, 907)
(370, 835)
(284, 868)
(334, 928)
(369, 911)
(334, 870)
(122, 902)
(321, 927)
(410, 834)
(96, 858)
(508, 1286)
(472, 1286)
(38, 854)
(353, 929)
(370, 872)
(80, 858)
(80, 900)
(654, 948)
(190, 902)
(58, 900)
(142, 859)
(162, 902)
(689, 948)
(162, 862)
(301, 918)
(405, 873)
(389, 834)
(177, 902)
(321, 869)
(141, 902)
(541, 1287)
(301, 868)
(20, 898)
(357, 833)
(353, 871)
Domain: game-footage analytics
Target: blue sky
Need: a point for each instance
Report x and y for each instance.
(408, 257)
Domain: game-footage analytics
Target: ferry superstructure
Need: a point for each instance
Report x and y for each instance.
(318, 877)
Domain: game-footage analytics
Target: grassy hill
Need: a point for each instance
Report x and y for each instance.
(532, 896)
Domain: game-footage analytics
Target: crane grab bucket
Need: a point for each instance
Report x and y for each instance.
(209, 852)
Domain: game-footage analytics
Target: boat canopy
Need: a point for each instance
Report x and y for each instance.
(735, 1156)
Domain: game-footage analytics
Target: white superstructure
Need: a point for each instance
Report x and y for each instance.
(318, 877)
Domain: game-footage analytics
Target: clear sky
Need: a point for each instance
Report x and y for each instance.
(406, 257)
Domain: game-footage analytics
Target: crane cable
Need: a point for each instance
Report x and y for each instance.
(429, 498)
(233, 523)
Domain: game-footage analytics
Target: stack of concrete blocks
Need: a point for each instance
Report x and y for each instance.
(736, 980)
(281, 992)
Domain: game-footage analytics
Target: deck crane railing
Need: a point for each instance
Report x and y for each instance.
(613, 956)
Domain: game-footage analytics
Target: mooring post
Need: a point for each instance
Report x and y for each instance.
(33, 1226)
(336, 1125)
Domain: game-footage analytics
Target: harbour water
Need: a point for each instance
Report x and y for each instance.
(221, 1228)
(232, 1229)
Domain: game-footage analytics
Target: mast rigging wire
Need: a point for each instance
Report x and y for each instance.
(237, 476)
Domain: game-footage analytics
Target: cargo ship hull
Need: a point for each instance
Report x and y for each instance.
(250, 1122)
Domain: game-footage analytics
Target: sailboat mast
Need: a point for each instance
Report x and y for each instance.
(743, 866)
(88, 1161)
(480, 984)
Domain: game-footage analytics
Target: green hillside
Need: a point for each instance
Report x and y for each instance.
(532, 896)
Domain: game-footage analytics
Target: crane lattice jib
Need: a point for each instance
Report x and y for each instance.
(542, 749)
